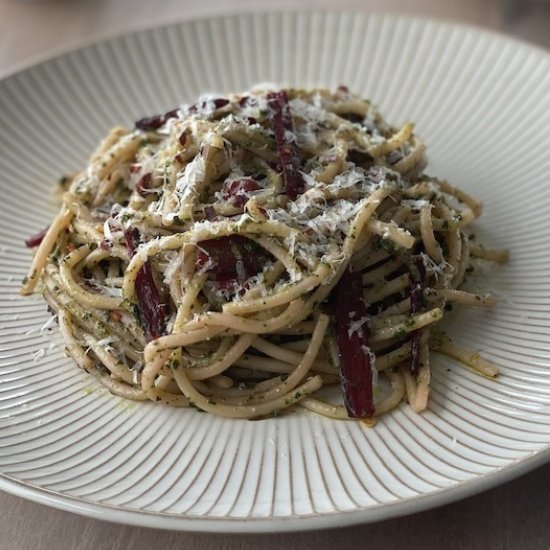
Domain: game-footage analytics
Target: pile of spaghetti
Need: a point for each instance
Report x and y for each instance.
(241, 253)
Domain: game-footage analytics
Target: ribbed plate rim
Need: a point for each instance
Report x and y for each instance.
(159, 520)
(222, 13)
(142, 518)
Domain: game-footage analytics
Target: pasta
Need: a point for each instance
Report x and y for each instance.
(242, 254)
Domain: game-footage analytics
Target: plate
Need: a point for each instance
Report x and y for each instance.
(481, 102)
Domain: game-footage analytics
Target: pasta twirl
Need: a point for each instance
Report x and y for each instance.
(241, 253)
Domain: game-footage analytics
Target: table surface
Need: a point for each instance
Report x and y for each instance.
(512, 516)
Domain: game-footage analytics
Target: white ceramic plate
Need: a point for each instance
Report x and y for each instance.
(482, 103)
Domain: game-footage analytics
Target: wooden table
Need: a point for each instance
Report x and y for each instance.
(513, 516)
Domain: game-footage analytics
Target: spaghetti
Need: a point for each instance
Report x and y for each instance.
(242, 253)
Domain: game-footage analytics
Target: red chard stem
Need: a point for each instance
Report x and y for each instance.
(353, 350)
(152, 311)
(36, 239)
(289, 161)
